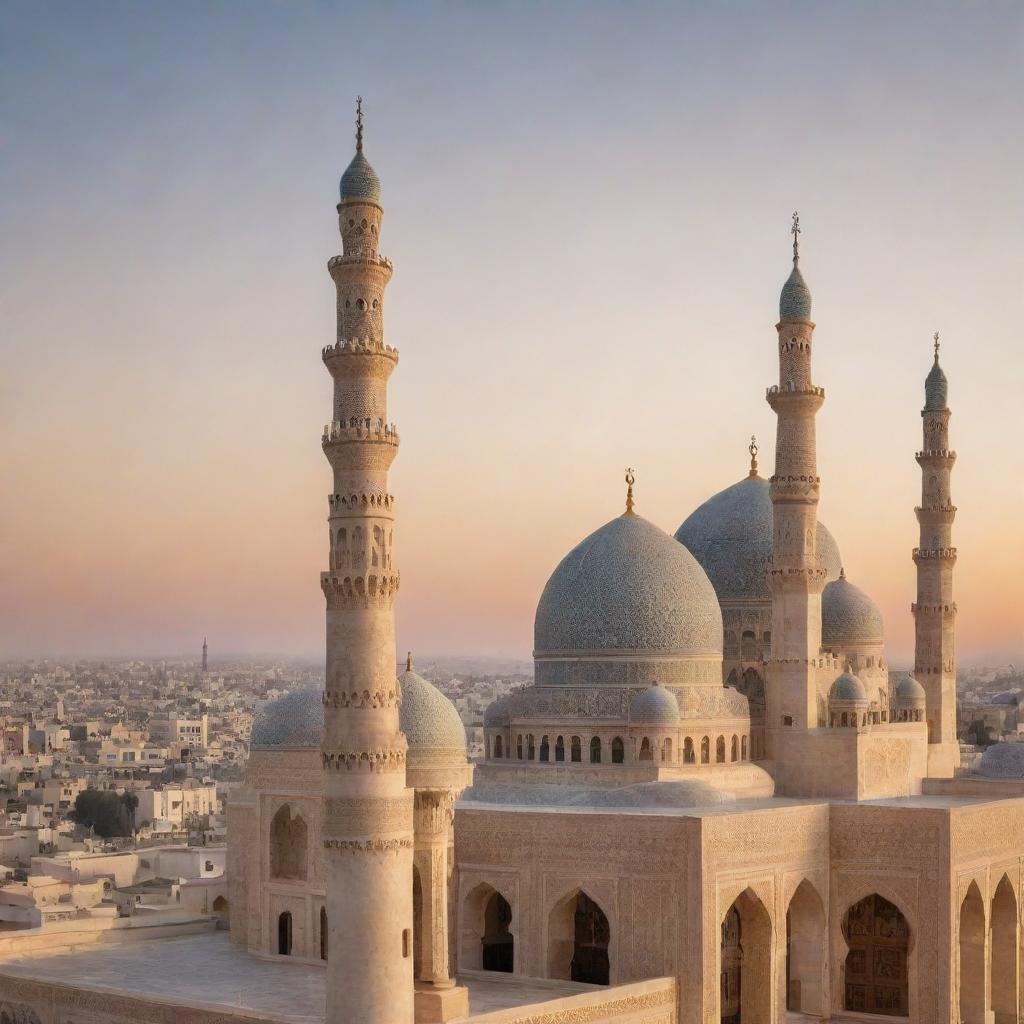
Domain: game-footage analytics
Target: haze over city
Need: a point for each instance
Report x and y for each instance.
(588, 255)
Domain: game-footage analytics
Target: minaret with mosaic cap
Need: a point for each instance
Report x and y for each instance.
(796, 576)
(368, 810)
(934, 610)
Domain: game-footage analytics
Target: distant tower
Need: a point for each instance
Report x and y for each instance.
(795, 576)
(204, 656)
(368, 811)
(934, 610)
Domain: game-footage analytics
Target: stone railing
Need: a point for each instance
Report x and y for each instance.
(337, 432)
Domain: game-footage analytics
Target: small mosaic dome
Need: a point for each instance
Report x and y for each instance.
(428, 718)
(730, 535)
(360, 180)
(629, 586)
(849, 688)
(849, 617)
(936, 389)
(795, 300)
(1008, 697)
(654, 706)
(294, 720)
(909, 691)
(1002, 761)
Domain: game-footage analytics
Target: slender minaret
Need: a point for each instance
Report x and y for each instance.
(204, 656)
(934, 610)
(795, 576)
(368, 811)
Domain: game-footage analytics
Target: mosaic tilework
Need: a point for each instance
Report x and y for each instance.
(795, 300)
(849, 616)
(360, 180)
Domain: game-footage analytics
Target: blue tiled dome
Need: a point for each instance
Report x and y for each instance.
(795, 300)
(731, 536)
(936, 388)
(629, 586)
(849, 617)
(654, 706)
(909, 690)
(360, 180)
(1003, 761)
(849, 688)
(427, 717)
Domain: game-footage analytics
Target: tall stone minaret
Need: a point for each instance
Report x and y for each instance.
(934, 610)
(795, 576)
(204, 656)
(368, 811)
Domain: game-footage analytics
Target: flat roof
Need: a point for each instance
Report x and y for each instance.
(207, 969)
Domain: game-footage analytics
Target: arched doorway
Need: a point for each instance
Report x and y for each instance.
(805, 945)
(972, 957)
(878, 938)
(288, 841)
(417, 923)
(323, 933)
(498, 952)
(486, 938)
(1005, 961)
(220, 908)
(745, 987)
(284, 933)
(578, 937)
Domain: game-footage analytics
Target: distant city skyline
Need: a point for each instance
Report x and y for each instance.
(588, 249)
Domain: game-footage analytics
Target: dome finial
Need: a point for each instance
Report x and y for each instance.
(359, 124)
(935, 338)
(630, 480)
(408, 662)
(842, 572)
(753, 449)
(795, 231)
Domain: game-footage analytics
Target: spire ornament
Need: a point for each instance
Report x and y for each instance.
(408, 662)
(753, 449)
(630, 480)
(359, 124)
(935, 338)
(795, 231)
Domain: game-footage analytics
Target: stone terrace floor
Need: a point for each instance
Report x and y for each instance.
(207, 969)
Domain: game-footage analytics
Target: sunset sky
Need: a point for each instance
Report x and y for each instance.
(588, 207)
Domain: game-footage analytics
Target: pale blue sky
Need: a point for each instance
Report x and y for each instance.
(587, 206)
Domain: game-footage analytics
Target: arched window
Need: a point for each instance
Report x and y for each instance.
(519, 747)
(531, 751)
(595, 750)
(576, 754)
(288, 841)
(732, 648)
(666, 749)
(498, 951)
(720, 749)
(560, 748)
(705, 750)
(748, 645)
(878, 938)
(618, 751)
(284, 933)
(544, 750)
(743, 748)
(645, 750)
(734, 750)
(578, 937)
(323, 933)
(745, 958)
(688, 757)
(1004, 952)
(972, 957)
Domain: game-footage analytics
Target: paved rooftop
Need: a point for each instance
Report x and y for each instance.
(207, 969)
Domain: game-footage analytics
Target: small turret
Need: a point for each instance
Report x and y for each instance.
(795, 300)
(360, 180)
(936, 387)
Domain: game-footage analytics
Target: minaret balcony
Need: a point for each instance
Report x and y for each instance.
(361, 504)
(934, 554)
(802, 488)
(935, 455)
(364, 255)
(352, 356)
(359, 430)
(933, 609)
(807, 399)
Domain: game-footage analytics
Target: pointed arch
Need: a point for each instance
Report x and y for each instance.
(284, 933)
(1005, 968)
(289, 838)
(877, 936)
(805, 950)
(486, 938)
(618, 750)
(745, 962)
(971, 947)
(578, 937)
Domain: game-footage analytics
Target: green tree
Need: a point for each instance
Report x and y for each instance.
(103, 811)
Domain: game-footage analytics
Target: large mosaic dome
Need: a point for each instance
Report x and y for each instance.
(849, 617)
(730, 535)
(629, 587)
